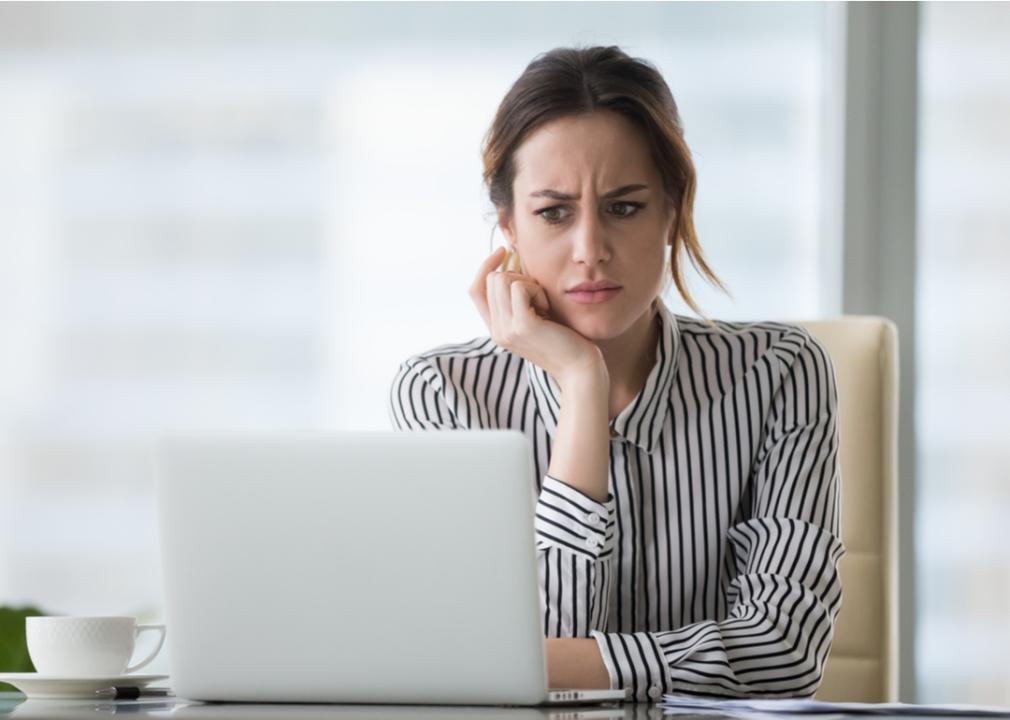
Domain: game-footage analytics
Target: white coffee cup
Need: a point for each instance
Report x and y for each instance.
(86, 646)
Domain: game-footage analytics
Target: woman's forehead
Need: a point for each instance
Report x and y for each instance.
(602, 151)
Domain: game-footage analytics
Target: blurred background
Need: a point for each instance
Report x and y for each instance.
(244, 216)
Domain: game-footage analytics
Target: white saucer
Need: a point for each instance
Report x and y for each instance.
(59, 687)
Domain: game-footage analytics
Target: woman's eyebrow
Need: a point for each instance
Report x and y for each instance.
(623, 190)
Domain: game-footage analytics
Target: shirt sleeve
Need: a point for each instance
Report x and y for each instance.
(574, 533)
(785, 592)
(417, 398)
(575, 540)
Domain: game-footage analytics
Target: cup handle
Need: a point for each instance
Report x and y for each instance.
(149, 658)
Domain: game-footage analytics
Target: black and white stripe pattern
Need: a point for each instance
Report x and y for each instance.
(712, 568)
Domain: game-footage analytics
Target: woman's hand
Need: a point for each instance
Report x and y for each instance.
(516, 311)
(575, 663)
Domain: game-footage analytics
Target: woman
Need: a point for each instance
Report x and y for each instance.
(687, 471)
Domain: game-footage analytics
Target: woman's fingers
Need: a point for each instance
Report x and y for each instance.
(503, 303)
(535, 295)
(521, 293)
(540, 301)
(491, 262)
(499, 303)
(491, 297)
(478, 289)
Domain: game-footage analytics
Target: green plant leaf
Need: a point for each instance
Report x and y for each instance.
(13, 647)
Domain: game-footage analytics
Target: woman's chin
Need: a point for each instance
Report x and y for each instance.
(595, 328)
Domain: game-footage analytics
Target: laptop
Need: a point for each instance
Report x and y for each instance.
(354, 567)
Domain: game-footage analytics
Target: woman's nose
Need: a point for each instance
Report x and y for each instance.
(589, 244)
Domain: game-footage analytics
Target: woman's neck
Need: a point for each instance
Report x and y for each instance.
(630, 358)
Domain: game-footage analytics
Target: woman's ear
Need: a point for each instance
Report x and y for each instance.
(671, 218)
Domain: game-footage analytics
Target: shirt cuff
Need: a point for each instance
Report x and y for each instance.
(569, 519)
(635, 664)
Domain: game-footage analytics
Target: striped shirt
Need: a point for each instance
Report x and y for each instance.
(712, 567)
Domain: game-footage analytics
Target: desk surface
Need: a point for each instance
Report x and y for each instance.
(15, 705)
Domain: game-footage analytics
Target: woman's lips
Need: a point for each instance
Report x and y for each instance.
(596, 296)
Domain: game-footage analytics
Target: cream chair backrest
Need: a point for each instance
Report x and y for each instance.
(863, 663)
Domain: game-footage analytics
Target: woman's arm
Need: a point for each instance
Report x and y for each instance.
(575, 535)
(573, 523)
(581, 448)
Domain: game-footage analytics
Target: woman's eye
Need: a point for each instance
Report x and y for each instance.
(632, 208)
(549, 215)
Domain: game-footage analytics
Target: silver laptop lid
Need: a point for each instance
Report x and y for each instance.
(351, 567)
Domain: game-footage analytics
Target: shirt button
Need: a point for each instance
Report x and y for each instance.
(613, 433)
(655, 691)
(593, 519)
(591, 542)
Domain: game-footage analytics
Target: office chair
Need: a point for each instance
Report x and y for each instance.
(862, 665)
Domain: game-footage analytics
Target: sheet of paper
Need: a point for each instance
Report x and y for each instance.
(683, 704)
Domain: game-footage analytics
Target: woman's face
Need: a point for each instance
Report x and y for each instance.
(589, 205)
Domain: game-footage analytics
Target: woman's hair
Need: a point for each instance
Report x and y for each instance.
(574, 81)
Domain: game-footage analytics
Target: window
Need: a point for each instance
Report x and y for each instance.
(963, 340)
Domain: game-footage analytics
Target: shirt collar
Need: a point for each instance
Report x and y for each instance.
(641, 422)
